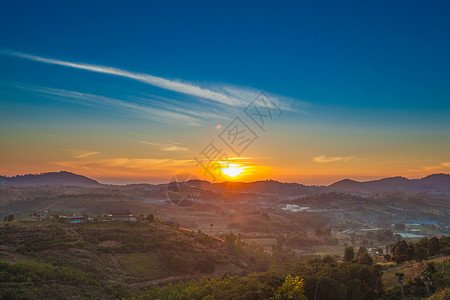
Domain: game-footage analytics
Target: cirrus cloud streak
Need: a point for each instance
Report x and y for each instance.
(325, 159)
(160, 82)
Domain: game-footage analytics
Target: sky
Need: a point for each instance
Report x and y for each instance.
(140, 91)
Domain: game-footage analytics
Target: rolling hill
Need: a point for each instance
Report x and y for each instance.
(435, 183)
(438, 183)
(51, 178)
(111, 260)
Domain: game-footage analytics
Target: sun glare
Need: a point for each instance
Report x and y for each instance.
(232, 170)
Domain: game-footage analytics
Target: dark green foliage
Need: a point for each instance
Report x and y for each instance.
(334, 281)
(8, 218)
(433, 246)
(434, 278)
(38, 272)
(106, 252)
(253, 286)
(349, 254)
(419, 251)
(24, 280)
(365, 259)
(82, 262)
(31, 241)
(400, 252)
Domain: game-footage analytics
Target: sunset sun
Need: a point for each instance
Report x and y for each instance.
(233, 170)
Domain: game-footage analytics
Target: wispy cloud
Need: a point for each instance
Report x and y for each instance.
(325, 159)
(247, 94)
(218, 93)
(86, 154)
(165, 146)
(147, 112)
(172, 85)
(143, 164)
(433, 168)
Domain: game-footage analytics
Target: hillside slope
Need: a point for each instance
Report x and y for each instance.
(109, 260)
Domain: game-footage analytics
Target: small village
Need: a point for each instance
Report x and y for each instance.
(123, 215)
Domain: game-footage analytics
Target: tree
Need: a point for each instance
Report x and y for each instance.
(400, 252)
(349, 254)
(292, 289)
(361, 250)
(150, 217)
(427, 280)
(365, 259)
(400, 276)
(411, 251)
(433, 246)
(420, 255)
(10, 218)
(431, 268)
(328, 259)
(421, 252)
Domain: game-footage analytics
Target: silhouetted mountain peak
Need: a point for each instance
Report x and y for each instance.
(438, 176)
(439, 183)
(431, 183)
(50, 178)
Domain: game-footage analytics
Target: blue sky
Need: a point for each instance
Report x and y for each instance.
(373, 69)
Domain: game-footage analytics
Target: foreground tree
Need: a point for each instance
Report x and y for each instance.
(400, 252)
(400, 276)
(365, 259)
(292, 289)
(433, 246)
(349, 254)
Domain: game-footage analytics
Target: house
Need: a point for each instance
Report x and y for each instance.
(122, 215)
(75, 219)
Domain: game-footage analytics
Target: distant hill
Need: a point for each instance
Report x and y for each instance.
(51, 178)
(439, 183)
(436, 183)
(265, 187)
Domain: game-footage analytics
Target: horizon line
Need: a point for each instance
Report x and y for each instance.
(226, 181)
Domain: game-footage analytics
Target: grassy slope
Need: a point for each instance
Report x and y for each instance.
(410, 269)
(120, 258)
(413, 270)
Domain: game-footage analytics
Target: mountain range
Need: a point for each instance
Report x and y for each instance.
(437, 183)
